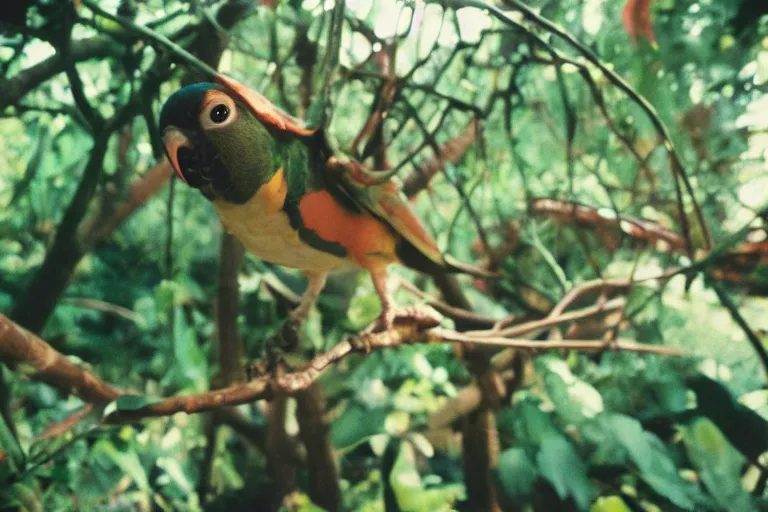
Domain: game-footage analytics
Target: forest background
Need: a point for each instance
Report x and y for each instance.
(607, 159)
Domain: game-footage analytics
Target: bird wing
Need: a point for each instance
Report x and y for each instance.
(386, 201)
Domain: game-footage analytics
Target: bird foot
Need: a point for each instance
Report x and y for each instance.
(277, 348)
(383, 322)
(288, 337)
(423, 315)
(271, 367)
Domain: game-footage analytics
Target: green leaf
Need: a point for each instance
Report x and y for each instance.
(409, 489)
(531, 424)
(10, 446)
(174, 470)
(574, 399)
(609, 504)
(24, 498)
(650, 456)
(561, 465)
(363, 309)
(189, 359)
(517, 475)
(127, 461)
(746, 430)
(356, 425)
(718, 464)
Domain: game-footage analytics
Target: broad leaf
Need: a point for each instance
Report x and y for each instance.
(718, 463)
(517, 475)
(410, 491)
(745, 429)
(575, 400)
(609, 504)
(561, 465)
(357, 424)
(650, 456)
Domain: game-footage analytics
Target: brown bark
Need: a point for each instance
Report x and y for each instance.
(282, 472)
(28, 354)
(479, 439)
(231, 367)
(36, 304)
(25, 351)
(449, 152)
(324, 487)
(230, 347)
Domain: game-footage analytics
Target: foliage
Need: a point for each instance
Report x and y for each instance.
(536, 162)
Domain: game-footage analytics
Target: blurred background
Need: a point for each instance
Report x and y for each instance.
(607, 158)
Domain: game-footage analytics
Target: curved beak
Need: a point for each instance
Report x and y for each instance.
(173, 140)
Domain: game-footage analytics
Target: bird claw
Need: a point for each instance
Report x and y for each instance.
(384, 322)
(281, 344)
(423, 315)
(272, 367)
(288, 337)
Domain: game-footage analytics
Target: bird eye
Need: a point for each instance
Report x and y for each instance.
(219, 113)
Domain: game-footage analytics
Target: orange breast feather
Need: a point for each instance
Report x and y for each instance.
(369, 243)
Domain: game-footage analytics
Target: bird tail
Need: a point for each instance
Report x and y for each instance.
(465, 268)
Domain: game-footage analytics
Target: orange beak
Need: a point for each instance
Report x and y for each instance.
(173, 140)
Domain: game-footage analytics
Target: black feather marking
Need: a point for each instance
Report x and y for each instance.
(308, 236)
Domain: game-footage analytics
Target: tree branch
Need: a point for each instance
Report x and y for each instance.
(30, 355)
(753, 339)
(15, 88)
(449, 152)
(315, 435)
(24, 351)
(231, 364)
(35, 305)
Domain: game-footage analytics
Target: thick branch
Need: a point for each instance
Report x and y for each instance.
(35, 305)
(26, 353)
(315, 434)
(231, 365)
(13, 89)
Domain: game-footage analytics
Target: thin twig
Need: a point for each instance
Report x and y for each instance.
(151, 36)
(752, 337)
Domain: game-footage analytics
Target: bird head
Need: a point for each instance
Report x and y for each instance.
(216, 143)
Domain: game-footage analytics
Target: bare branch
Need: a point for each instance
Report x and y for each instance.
(28, 354)
(449, 152)
(25, 351)
(754, 340)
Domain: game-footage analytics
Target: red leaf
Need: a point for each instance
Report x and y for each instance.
(637, 20)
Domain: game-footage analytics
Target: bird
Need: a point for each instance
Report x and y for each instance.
(282, 191)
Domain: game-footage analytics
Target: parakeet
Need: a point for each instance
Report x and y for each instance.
(279, 189)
